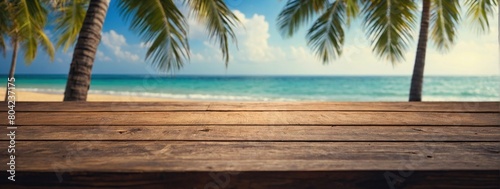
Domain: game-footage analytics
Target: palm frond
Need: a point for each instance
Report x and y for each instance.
(390, 25)
(3, 26)
(326, 36)
(219, 22)
(55, 4)
(159, 22)
(297, 13)
(31, 19)
(46, 44)
(69, 20)
(444, 19)
(478, 12)
(352, 9)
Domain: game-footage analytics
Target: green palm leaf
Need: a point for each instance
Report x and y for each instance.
(326, 36)
(3, 26)
(160, 22)
(30, 19)
(352, 9)
(444, 19)
(45, 43)
(298, 12)
(219, 21)
(69, 20)
(390, 25)
(478, 13)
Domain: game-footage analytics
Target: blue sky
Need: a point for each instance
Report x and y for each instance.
(262, 51)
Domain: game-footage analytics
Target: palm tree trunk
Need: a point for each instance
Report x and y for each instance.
(12, 67)
(89, 38)
(417, 79)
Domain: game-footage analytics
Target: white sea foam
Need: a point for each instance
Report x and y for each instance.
(233, 97)
(216, 97)
(42, 90)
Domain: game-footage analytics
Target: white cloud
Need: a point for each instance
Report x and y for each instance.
(196, 29)
(254, 40)
(102, 57)
(212, 53)
(145, 44)
(112, 38)
(472, 55)
(197, 57)
(301, 55)
(116, 42)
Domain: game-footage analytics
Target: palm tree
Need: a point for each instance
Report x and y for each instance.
(85, 50)
(69, 18)
(389, 24)
(444, 16)
(23, 22)
(417, 79)
(159, 22)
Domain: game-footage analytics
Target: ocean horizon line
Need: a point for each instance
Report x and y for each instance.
(275, 88)
(246, 75)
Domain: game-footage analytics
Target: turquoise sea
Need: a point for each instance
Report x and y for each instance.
(276, 88)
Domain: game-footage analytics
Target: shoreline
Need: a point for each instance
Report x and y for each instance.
(56, 97)
(52, 96)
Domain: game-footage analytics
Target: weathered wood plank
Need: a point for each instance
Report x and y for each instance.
(180, 144)
(259, 133)
(255, 118)
(108, 106)
(258, 106)
(285, 180)
(363, 106)
(167, 156)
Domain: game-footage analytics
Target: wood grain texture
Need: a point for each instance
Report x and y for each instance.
(259, 133)
(279, 180)
(491, 107)
(108, 106)
(255, 118)
(270, 145)
(167, 156)
(363, 106)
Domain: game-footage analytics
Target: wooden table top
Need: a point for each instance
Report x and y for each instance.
(302, 140)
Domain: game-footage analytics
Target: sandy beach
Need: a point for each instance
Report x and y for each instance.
(36, 96)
